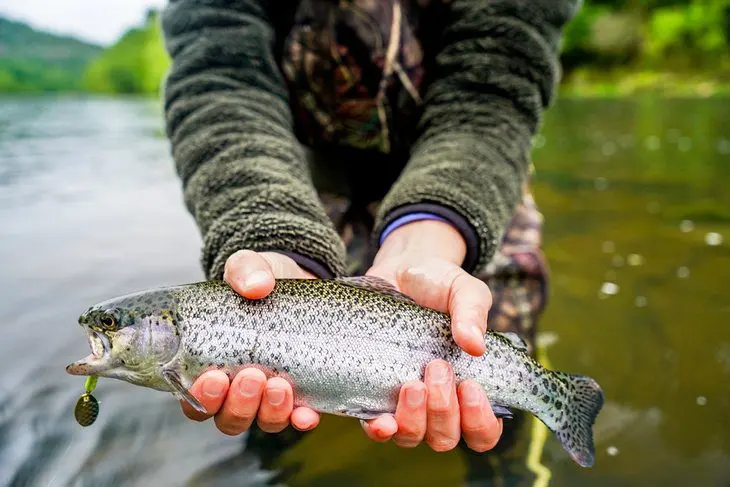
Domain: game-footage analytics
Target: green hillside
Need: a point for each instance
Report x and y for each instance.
(31, 60)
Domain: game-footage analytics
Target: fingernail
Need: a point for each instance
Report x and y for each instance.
(472, 397)
(249, 387)
(213, 388)
(476, 333)
(415, 396)
(255, 279)
(439, 374)
(275, 396)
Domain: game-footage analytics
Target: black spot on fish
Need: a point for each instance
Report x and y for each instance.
(558, 405)
(535, 389)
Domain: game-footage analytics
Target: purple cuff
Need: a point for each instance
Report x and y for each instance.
(409, 218)
(435, 211)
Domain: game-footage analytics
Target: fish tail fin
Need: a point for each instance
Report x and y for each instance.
(582, 403)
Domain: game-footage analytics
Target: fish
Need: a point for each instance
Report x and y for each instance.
(345, 344)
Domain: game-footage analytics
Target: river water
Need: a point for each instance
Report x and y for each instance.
(635, 195)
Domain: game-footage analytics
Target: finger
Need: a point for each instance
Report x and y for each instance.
(442, 407)
(411, 415)
(242, 402)
(481, 429)
(446, 287)
(210, 390)
(429, 285)
(276, 406)
(249, 274)
(285, 267)
(304, 419)
(380, 429)
(469, 303)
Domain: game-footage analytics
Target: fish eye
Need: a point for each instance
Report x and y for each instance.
(108, 321)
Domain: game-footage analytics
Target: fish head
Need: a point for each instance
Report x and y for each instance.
(131, 338)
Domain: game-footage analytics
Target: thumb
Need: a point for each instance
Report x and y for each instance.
(252, 274)
(249, 274)
(284, 267)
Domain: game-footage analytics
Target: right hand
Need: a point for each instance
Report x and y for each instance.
(235, 404)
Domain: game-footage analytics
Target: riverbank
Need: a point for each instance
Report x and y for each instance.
(589, 83)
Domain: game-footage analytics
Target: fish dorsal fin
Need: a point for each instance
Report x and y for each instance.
(372, 283)
(514, 339)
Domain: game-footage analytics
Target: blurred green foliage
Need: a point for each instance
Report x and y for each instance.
(672, 35)
(135, 64)
(698, 30)
(611, 46)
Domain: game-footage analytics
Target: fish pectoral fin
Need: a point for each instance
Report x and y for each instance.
(372, 283)
(514, 339)
(173, 379)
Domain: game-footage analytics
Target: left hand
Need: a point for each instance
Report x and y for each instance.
(423, 260)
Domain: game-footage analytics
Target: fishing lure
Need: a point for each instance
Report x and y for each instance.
(87, 407)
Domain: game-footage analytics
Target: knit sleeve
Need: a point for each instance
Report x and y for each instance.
(494, 73)
(244, 175)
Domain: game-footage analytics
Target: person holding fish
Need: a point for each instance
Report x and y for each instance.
(382, 138)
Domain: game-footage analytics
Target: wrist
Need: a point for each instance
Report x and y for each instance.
(422, 239)
(434, 211)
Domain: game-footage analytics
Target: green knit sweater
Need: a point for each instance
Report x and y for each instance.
(491, 68)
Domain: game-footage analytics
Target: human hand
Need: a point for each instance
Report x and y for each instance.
(235, 404)
(422, 260)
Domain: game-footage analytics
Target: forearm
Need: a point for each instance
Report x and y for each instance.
(245, 178)
(495, 73)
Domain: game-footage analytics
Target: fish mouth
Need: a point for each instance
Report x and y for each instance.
(98, 361)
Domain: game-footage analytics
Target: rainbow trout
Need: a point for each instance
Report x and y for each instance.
(346, 345)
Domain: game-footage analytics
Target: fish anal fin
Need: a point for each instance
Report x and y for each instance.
(501, 411)
(173, 379)
(372, 283)
(360, 412)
